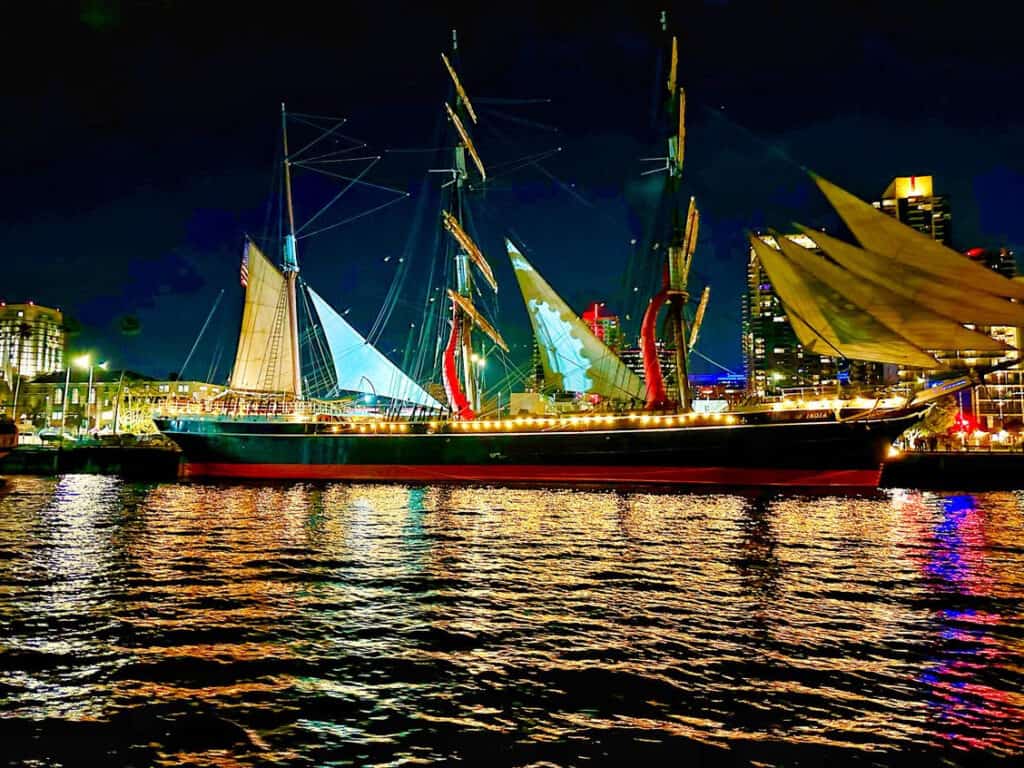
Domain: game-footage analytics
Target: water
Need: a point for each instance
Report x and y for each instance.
(192, 624)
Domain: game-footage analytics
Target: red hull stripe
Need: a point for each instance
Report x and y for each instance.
(544, 473)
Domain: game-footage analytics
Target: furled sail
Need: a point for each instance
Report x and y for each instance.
(917, 324)
(479, 320)
(467, 141)
(958, 302)
(359, 367)
(470, 247)
(885, 235)
(263, 360)
(828, 322)
(573, 358)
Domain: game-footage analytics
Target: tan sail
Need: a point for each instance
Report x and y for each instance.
(956, 301)
(673, 67)
(573, 358)
(698, 319)
(828, 322)
(263, 360)
(885, 235)
(918, 325)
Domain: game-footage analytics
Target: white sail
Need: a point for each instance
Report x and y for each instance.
(263, 360)
(573, 358)
(359, 366)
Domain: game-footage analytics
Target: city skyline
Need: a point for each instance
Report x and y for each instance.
(121, 228)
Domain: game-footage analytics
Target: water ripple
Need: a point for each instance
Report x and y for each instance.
(223, 625)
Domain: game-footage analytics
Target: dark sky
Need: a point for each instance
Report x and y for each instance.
(140, 142)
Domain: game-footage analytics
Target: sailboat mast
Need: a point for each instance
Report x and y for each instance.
(678, 296)
(464, 277)
(291, 262)
(680, 248)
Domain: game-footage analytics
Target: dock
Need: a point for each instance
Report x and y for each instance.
(133, 463)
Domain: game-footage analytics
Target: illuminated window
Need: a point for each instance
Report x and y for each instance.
(74, 397)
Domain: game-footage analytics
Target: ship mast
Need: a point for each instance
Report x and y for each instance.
(463, 275)
(464, 398)
(291, 262)
(681, 244)
(679, 252)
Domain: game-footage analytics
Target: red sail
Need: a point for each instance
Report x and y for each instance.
(656, 397)
(456, 397)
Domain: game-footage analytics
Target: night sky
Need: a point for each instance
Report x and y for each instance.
(140, 143)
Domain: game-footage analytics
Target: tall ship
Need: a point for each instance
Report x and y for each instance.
(295, 408)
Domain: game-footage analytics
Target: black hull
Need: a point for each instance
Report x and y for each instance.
(8, 437)
(804, 452)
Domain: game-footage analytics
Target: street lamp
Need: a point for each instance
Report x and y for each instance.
(82, 361)
(91, 396)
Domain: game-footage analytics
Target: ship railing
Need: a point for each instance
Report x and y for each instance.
(236, 404)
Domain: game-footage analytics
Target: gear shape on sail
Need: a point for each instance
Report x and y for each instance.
(563, 349)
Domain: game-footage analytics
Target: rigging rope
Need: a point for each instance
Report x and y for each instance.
(202, 330)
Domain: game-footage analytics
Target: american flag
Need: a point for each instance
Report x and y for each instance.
(244, 274)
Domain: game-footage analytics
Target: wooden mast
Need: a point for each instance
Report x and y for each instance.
(679, 250)
(291, 263)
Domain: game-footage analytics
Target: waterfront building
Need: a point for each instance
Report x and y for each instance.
(999, 402)
(31, 342)
(122, 401)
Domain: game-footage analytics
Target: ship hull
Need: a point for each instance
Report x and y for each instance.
(798, 453)
(8, 437)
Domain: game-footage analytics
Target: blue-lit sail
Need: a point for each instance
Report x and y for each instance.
(573, 358)
(359, 367)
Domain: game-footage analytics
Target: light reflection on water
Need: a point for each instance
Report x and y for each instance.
(365, 624)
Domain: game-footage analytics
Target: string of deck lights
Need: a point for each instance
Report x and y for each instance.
(530, 423)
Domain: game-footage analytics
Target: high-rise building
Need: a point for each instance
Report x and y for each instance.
(31, 340)
(1001, 260)
(999, 402)
(633, 358)
(911, 200)
(773, 357)
(604, 324)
